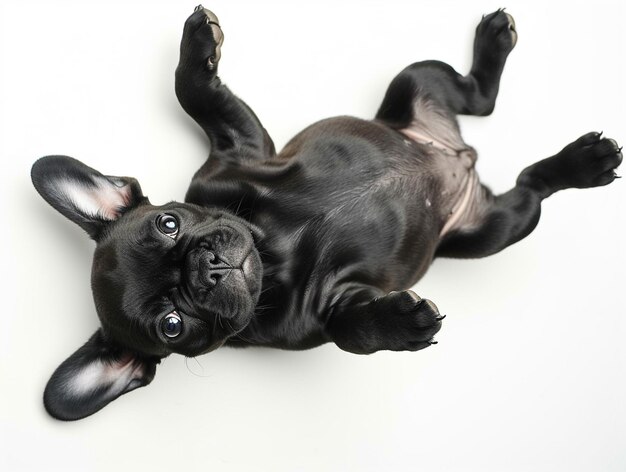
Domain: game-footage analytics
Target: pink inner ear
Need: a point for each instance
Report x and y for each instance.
(115, 377)
(104, 200)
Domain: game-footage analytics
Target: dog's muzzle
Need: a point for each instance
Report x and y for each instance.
(223, 272)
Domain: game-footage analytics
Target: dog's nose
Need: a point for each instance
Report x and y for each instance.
(206, 267)
(211, 268)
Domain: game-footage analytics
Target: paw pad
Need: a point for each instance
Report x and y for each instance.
(204, 28)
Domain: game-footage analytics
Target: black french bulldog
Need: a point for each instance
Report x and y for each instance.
(315, 238)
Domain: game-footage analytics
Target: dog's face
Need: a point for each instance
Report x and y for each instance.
(174, 278)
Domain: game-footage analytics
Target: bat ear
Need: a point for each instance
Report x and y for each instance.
(82, 194)
(92, 377)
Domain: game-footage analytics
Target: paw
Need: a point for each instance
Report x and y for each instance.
(590, 161)
(496, 32)
(202, 38)
(408, 322)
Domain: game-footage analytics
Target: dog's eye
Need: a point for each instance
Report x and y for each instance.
(167, 225)
(172, 325)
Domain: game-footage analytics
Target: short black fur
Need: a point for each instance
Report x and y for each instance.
(319, 243)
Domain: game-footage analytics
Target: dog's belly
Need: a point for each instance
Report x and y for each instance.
(461, 195)
(361, 185)
(427, 168)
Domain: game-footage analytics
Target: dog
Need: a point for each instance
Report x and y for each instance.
(317, 243)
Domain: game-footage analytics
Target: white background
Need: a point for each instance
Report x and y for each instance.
(529, 373)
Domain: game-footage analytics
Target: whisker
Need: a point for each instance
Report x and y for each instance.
(238, 335)
(200, 365)
(261, 310)
(271, 272)
(251, 207)
(239, 206)
(266, 289)
(215, 324)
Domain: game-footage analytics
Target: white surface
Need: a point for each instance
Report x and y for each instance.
(529, 373)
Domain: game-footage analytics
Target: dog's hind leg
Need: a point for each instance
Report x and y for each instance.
(234, 130)
(495, 222)
(436, 84)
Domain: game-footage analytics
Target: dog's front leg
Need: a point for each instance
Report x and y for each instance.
(232, 127)
(363, 323)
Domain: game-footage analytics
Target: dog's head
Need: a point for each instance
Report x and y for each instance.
(174, 278)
